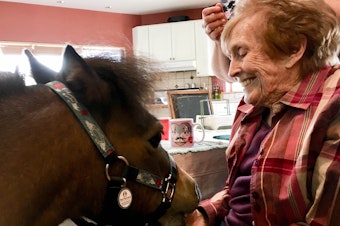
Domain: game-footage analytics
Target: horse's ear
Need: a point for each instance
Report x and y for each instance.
(73, 64)
(81, 79)
(40, 72)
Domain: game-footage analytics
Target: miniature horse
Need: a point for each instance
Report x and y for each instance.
(51, 170)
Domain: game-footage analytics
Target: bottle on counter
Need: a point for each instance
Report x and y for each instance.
(216, 94)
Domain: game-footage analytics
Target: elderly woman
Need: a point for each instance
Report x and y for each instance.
(284, 153)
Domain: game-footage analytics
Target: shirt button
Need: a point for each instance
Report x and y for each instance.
(256, 163)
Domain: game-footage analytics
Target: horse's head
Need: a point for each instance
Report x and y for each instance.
(115, 93)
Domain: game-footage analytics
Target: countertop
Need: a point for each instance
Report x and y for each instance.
(205, 162)
(209, 142)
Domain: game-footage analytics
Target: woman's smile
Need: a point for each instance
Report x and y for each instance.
(247, 81)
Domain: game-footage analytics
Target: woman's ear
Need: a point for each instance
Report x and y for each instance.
(297, 54)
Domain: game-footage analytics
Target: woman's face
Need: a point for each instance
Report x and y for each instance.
(335, 5)
(264, 80)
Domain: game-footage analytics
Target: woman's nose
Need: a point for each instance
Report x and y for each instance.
(234, 68)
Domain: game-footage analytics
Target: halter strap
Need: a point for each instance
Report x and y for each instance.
(99, 139)
(90, 125)
(166, 186)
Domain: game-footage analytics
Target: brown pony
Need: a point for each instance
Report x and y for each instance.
(50, 169)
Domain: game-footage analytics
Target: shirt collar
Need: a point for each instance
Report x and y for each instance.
(302, 94)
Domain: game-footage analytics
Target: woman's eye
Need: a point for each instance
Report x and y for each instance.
(237, 53)
(241, 52)
(155, 140)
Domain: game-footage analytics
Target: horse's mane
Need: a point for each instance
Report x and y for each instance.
(131, 77)
(11, 83)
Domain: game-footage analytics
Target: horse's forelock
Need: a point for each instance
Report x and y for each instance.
(131, 78)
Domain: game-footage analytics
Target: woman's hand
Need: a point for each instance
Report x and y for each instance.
(195, 218)
(214, 20)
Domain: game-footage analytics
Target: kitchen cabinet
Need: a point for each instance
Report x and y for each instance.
(140, 39)
(204, 51)
(179, 42)
(172, 41)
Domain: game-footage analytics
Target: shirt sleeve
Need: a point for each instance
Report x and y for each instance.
(326, 179)
(215, 208)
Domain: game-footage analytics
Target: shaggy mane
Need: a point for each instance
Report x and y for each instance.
(131, 77)
(11, 83)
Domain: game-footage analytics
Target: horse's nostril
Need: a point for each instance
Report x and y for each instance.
(198, 192)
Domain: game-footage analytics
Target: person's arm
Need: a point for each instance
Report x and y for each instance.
(214, 20)
(323, 176)
(210, 211)
(220, 64)
(326, 173)
(196, 218)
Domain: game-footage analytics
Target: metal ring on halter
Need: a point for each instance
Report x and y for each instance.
(108, 165)
(124, 159)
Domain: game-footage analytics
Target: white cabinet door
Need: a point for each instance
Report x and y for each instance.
(204, 51)
(160, 46)
(172, 41)
(183, 40)
(140, 38)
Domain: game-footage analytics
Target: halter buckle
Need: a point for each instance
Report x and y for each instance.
(169, 191)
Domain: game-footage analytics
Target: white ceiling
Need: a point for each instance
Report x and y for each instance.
(137, 7)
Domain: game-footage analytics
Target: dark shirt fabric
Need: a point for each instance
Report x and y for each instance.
(240, 207)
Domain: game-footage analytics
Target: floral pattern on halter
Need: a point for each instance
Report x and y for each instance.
(92, 128)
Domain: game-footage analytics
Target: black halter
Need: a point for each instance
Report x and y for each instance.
(116, 184)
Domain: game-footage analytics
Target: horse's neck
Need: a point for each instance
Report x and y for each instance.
(47, 169)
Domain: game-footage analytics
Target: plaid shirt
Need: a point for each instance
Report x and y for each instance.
(295, 178)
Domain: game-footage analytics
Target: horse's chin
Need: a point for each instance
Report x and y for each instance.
(172, 220)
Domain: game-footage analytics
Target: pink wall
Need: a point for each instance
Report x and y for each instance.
(193, 14)
(222, 84)
(33, 23)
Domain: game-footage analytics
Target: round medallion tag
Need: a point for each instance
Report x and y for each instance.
(124, 198)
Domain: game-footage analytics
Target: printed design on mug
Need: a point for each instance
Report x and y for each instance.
(181, 133)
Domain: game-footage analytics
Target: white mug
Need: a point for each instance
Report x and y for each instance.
(182, 132)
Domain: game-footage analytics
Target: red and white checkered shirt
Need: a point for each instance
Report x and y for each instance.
(295, 178)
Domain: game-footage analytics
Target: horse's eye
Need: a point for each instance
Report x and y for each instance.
(155, 140)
